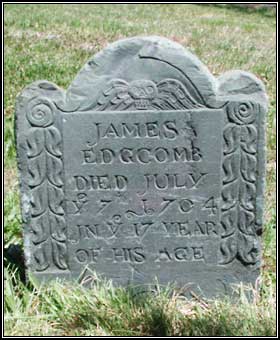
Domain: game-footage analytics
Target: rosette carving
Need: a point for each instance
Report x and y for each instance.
(40, 112)
(242, 113)
(45, 181)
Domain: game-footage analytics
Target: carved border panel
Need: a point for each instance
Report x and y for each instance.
(45, 182)
(238, 218)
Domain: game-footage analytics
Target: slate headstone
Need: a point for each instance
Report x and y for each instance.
(146, 168)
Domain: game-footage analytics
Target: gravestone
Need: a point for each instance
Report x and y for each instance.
(146, 168)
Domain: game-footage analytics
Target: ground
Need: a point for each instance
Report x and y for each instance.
(53, 42)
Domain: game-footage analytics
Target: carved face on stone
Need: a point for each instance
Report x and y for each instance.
(143, 92)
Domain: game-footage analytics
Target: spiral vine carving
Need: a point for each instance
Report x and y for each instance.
(242, 113)
(40, 112)
(239, 185)
(45, 169)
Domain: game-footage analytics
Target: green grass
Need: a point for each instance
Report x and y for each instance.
(53, 42)
(71, 310)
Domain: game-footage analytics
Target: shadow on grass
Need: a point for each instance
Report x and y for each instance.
(265, 10)
(14, 259)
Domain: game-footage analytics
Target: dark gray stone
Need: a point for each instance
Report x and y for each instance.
(146, 167)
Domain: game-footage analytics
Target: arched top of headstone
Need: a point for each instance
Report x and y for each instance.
(154, 73)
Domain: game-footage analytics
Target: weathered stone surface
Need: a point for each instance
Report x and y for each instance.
(146, 167)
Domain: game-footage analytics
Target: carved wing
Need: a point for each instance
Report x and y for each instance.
(115, 96)
(173, 95)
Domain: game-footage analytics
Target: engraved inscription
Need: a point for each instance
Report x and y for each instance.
(125, 191)
(180, 254)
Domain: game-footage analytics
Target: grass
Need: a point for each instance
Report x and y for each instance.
(53, 42)
(71, 310)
